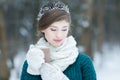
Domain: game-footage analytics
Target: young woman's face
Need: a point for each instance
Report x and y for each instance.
(56, 33)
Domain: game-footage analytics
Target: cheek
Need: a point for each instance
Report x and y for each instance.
(48, 36)
(66, 33)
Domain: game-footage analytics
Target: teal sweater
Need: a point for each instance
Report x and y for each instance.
(81, 69)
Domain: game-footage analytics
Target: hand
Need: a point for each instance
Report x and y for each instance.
(52, 72)
(35, 58)
(47, 54)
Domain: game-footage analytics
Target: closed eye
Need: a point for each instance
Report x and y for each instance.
(52, 29)
(64, 29)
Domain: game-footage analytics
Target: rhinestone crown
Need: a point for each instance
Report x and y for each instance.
(51, 6)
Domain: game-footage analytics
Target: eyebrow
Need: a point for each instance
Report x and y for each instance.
(56, 26)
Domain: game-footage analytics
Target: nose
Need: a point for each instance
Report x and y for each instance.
(58, 34)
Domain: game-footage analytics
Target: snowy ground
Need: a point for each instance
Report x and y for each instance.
(107, 66)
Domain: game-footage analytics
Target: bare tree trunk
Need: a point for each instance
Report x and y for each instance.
(4, 71)
(86, 39)
(100, 29)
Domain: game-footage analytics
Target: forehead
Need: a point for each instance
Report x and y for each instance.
(61, 23)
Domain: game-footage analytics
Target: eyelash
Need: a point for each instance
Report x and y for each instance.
(55, 29)
(64, 30)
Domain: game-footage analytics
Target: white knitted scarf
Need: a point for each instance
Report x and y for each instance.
(61, 56)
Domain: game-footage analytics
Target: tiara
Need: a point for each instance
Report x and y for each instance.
(51, 6)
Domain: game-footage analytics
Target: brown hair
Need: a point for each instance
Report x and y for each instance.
(50, 17)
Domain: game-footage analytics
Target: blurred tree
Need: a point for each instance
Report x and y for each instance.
(100, 24)
(4, 70)
(20, 25)
(87, 32)
(112, 22)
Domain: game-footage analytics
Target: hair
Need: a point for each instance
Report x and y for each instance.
(52, 16)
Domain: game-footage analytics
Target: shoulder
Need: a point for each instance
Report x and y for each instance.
(83, 61)
(83, 66)
(25, 65)
(83, 58)
(86, 66)
(24, 70)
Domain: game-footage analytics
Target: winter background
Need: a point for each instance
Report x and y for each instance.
(18, 20)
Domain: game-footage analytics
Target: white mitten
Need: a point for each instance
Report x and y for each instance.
(50, 72)
(35, 58)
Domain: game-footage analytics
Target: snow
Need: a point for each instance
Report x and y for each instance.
(85, 23)
(18, 61)
(23, 31)
(107, 64)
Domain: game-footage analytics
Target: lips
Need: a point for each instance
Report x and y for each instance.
(57, 40)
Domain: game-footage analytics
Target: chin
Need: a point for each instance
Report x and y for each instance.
(58, 45)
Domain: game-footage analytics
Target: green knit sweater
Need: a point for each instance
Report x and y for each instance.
(81, 69)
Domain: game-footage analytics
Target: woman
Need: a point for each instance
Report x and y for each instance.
(55, 55)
